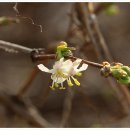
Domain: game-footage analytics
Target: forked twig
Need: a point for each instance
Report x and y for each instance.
(23, 108)
(67, 105)
(28, 82)
(23, 17)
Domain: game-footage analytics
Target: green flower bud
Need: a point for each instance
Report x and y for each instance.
(126, 69)
(117, 70)
(63, 50)
(121, 73)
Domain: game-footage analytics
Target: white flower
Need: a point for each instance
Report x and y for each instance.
(64, 70)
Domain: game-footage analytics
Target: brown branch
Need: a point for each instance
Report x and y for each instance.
(28, 82)
(43, 95)
(93, 64)
(36, 57)
(104, 51)
(84, 19)
(34, 113)
(67, 106)
(14, 48)
(40, 58)
(23, 108)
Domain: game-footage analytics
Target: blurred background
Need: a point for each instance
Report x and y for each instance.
(90, 27)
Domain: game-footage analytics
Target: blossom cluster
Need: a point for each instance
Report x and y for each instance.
(64, 69)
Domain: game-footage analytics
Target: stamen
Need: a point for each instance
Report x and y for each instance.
(56, 85)
(64, 76)
(69, 82)
(76, 81)
(62, 87)
(52, 87)
(79, 74)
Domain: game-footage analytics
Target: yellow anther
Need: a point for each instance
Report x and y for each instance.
(69, 82)
(61, 47)
(62, 88)
(52, 87)
(76, 81)
(79, 74)
(63, 43)
(56, 85)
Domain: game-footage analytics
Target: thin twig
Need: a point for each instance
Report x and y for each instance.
(84, 19)
(16, 8)
(67, 106)
(23, 17)
(43, 95)
(100, 39)
(93, 64)
(35, 114)
(24, 109)
(71, 22)
(28, 82)
(40, 58)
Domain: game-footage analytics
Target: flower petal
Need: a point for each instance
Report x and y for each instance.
(66, 66)
(62, 59)
(58, 64)
(76, 63)
(43, 68)
(68, 62)
(83, 67)
(58, 79)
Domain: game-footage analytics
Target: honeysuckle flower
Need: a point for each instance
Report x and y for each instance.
(64, 70)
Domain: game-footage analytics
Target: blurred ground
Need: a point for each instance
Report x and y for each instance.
(94, 104)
